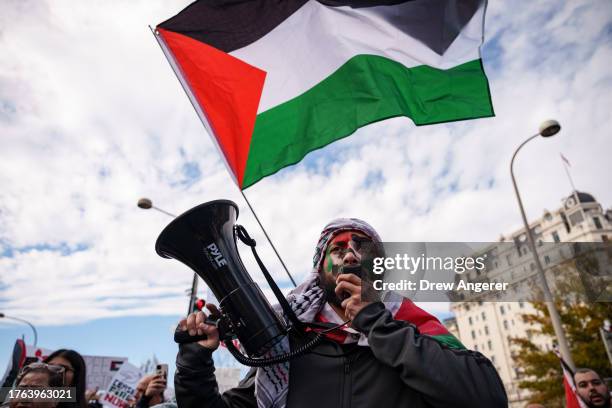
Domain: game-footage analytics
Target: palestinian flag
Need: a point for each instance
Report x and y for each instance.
(275, 79)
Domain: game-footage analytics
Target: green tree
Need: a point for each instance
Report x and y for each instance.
(581, 319)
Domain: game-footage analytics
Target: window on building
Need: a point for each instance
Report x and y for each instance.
(555, 236)
(604, 238)
(506, 324)
(470, 319)
(521, 304)
(502, 310)
(532, 266)
(475, 347)
(490, 345)
(546, 259)
(576, 218)
(484, 316)
(473, 335)
(493, 359)
(486, 330)
(597, 223)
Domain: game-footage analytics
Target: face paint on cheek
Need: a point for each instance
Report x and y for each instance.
(330, 264)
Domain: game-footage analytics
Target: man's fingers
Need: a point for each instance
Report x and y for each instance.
(200, 318)
(191, 324)
(183, 324)
(349, 277)
(214, 311)
(345, 286)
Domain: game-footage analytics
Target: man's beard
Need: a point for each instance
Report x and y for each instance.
(327, 282)
(605, 405)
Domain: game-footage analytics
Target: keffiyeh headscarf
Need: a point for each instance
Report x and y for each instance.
(308, 303)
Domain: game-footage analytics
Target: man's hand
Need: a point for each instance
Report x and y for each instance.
(156, 386)
(351, 284)
(194, 324)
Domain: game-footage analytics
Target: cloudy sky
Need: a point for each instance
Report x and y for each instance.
(92, 118)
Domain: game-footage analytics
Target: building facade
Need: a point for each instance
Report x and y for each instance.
(487, 324)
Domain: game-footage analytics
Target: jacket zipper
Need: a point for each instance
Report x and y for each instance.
(347, 383)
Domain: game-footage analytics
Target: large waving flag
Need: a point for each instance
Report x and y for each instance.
(275, 79)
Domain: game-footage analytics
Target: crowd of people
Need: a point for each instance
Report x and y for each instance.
(375, 354)
(66, 369)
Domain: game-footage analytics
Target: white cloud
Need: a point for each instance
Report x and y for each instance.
(92, 118)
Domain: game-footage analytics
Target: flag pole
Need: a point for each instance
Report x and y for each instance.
(569, 177)
(202, 115)
(267, 237)
(566, 165)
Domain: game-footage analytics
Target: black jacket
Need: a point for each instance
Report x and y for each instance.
(401, 368)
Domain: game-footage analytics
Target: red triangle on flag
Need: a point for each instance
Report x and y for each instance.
(227, 90)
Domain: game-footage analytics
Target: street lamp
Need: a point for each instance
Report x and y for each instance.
(547, 129)
(146, 204)
(2, 315)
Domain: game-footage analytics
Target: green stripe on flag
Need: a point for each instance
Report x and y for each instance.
(449, 340)
(366, 89)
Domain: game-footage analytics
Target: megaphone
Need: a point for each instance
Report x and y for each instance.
(204, 238)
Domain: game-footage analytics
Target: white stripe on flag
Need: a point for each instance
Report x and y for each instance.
(317, 40)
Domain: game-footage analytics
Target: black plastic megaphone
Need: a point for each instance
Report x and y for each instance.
(204, 238)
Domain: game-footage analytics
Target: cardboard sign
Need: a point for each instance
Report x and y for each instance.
(122, 387)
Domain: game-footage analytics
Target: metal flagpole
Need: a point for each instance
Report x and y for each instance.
(569, 176)
(202, 115)
(267, 237)
(566, 166)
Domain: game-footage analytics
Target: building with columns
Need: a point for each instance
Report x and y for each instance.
(486, 324)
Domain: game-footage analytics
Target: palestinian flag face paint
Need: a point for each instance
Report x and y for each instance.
(344, 249)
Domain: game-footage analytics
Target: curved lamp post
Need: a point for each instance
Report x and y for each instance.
(147, 204)
(547, 129)
(2, 315)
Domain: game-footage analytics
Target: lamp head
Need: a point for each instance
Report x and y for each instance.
(549, 128)
(145, 203)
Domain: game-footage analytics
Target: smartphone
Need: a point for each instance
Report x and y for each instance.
(162, 371)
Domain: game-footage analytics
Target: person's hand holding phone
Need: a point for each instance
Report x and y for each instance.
(156, 386)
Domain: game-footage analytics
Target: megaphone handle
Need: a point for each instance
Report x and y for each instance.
(183, 336)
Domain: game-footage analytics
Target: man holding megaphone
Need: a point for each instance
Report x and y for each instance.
(390, 354)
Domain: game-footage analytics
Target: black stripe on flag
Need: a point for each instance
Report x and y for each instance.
(435, 23)
(229, 25)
